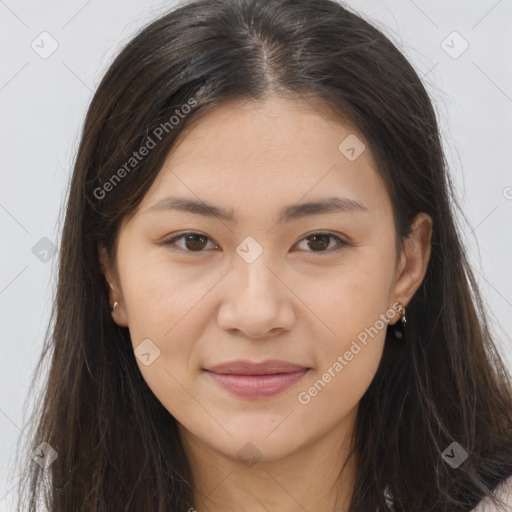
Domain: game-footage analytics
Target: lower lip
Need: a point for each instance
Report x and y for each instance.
(257, 386)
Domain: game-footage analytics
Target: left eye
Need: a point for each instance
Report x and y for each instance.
(322, 241)
(196, 242)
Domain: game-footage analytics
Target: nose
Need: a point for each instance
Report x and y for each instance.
(256, 303)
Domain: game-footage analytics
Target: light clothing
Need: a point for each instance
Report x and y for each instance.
(503, 492)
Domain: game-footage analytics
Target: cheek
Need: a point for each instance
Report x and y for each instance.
(162, 296)
(329, 397)
(345, 367)
(353, 305)
(351, 297)
(166, 312)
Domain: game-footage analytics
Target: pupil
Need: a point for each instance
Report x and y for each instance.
(193, 244)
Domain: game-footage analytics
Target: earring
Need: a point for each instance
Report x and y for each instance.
(114, 306)
(398, 329)
(401, 310)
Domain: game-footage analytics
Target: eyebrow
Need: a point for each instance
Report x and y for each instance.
(287, 214)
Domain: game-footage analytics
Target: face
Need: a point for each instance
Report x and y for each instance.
(292, 300)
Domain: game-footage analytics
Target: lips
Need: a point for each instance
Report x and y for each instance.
(247, 379)
(269, 367)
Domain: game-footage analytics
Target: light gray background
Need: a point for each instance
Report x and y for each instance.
(43, 104)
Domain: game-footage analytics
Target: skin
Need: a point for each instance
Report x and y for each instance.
(299, 302)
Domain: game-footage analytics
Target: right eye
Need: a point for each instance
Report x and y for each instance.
(192, 242)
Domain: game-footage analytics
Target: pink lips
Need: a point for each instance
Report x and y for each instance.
(256, 380)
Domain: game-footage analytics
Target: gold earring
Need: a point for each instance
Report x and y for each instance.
(401, 310)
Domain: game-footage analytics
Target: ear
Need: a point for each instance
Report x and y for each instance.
(114, 293)
(413, 260)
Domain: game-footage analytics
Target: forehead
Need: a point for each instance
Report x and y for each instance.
(276, 128)
(255, 154)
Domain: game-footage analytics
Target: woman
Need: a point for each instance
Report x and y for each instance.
(263, 301)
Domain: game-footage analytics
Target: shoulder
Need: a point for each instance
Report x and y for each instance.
(504, 493)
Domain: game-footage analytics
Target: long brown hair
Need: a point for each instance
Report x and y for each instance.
(442, 382)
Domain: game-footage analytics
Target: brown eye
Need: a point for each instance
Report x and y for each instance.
(191, 242)
(195, 242)
(321, 242)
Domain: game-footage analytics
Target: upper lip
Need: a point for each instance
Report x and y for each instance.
(244, 367)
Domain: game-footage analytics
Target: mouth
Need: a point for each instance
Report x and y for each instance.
(250, 380)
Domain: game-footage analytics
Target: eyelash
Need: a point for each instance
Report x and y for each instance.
(171, 242)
